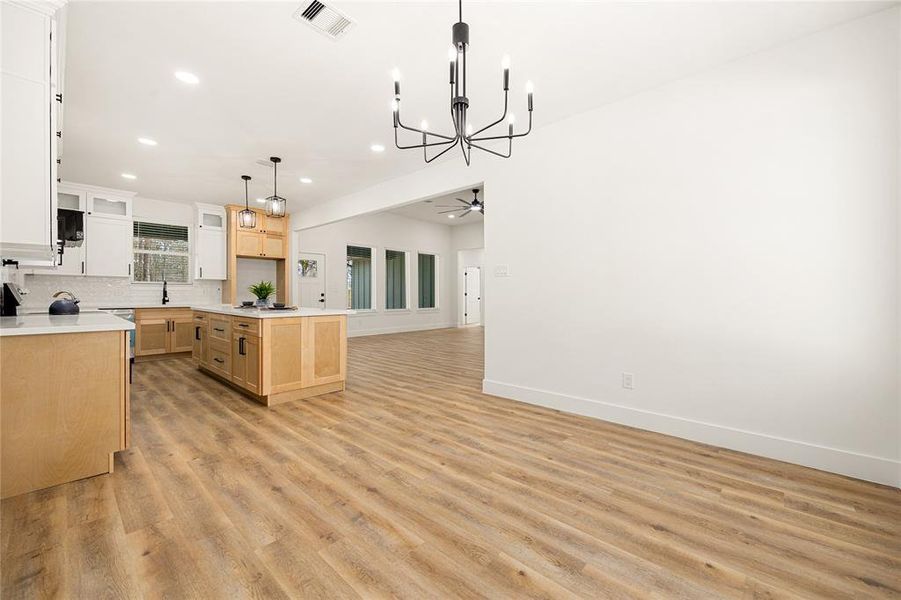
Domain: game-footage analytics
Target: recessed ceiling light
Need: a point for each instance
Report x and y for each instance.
(377, 148)
(147, 141)
(261, 200)
(450, 216)
(186, 77)
(306, 180)
(129, 176)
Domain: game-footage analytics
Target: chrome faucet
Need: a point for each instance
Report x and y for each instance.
(165, 293)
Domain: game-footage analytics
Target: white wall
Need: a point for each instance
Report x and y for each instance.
(254, 270)
(386, 231)
(731, 238)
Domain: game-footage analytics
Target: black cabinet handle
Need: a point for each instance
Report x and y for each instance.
(82, 267)
(241, 350)
(129, 269)
(219, 330)
(219, 360)
(243, 325)
(197, 332)
(201, 272)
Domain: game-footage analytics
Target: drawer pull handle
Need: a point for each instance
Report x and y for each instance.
(243, 325)
(219, 360)
(197, 333)
(219, 330)
(241, 350)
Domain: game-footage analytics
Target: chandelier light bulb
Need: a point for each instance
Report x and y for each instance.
(424, 125)
(394, 106)
(511, 119)
(452, 54)
(468, 129)
(505, 62)
(530, 87)
(395, 74)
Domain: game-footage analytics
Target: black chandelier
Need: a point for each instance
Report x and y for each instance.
(459, 105)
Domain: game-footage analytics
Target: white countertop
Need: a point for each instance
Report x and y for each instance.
(36, 310)
(85, 322)
(255, 313)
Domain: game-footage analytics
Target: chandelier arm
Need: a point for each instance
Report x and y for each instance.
(503, 116)
(509, 151)
(466, 156)
(508, 136)
(428, 160)
(399, 122)
(430, 144)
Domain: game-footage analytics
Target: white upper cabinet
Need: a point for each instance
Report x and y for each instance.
(27, 127)
(210, 242)
(108, 243)
(106, 204)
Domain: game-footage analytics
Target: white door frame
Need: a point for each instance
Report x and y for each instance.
(323, 274)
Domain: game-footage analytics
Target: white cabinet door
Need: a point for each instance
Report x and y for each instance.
(108, 242)
(28, 150)
(209, 251)
(109, 205)
(73, 262)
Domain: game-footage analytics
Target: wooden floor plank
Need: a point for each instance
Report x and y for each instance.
(414, 484)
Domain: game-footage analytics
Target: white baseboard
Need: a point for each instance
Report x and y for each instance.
(398, 329)
(862, 466)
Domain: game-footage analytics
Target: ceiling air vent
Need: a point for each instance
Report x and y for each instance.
(324, 19)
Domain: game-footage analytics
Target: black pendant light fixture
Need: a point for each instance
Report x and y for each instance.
(275, 204)
(459, 106)
(247, 218)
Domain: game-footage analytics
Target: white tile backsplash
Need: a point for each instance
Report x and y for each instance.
(114, 291)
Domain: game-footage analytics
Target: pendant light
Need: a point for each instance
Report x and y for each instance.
(275, 204)
(247, 218)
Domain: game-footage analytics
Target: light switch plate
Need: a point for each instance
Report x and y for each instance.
(501, 271)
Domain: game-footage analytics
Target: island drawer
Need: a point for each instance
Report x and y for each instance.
(220, 328)
(220, 358)
(247, 326)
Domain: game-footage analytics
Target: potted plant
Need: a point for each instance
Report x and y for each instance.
(263, 291)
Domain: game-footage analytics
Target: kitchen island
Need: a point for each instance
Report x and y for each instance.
(273, 356)
(64, 398)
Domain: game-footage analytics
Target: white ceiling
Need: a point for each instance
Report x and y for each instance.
(272, 86)
(428, 210)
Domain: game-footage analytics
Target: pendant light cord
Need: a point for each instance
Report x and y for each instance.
(461, 11)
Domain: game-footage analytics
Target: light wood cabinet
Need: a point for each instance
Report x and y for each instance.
(276, 359)
(248, 244)
(273, 246)
(200, 342)
(163, 331)
(151, 336)
(245, 367)
(273, 225)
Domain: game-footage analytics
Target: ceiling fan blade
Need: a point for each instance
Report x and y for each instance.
(466, 213)
(462, 200)
(442, 212)
(448, 206)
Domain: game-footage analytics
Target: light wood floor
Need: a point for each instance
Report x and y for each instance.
(414, 484)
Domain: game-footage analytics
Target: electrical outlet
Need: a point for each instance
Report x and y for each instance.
(629, 381)
(501, 271)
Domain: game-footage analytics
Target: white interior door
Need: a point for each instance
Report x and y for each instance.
(472, 295)
(311, 279)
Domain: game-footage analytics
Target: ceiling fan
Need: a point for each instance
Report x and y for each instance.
(466, 208)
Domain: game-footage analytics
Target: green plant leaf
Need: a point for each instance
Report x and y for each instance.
(262, 290)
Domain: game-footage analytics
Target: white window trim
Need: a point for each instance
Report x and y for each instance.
(190, 227)
(437, 307)
(407, 279)
(373, 279)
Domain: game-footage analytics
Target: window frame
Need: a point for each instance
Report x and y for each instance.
(407, 279)
(373, 278)
(437, 277)
(151, 220)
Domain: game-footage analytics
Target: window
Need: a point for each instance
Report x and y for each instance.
(395, 280)
(428, 281)
(161, 252)
(359, 278)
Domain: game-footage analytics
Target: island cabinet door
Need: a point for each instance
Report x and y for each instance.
(324, 350)
(152, 336)
(246, 362)
(200, 343)
(181, 333)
